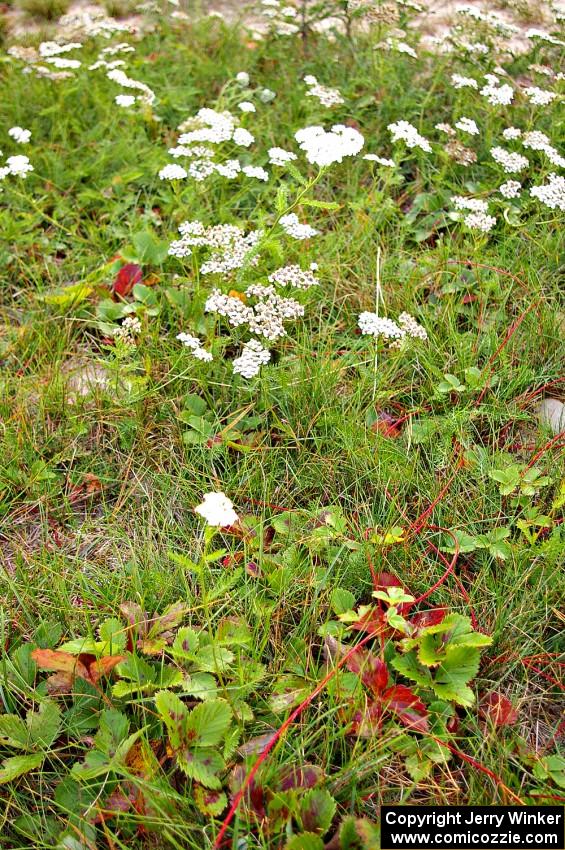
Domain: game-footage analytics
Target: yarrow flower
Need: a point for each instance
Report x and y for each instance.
(380, 160)
(552, 194)
(328, 97)
(377, 326)
(19, 135)
(510, 189)
(173, 172)
(247, 106)
(480, 221)
(460, 82)
(252, 357)
(467, 125)
(512, 163)
(511, 133)
(295, 276)
(406, 132)
(256, 171)
(124, 100)
(229, 245)
(19, 166)
(243, 79)
(127, 332)
(278, 156)
(473, 204)
(195, 346)
(324, 148)
(292, 227)
(496, 94)
(217, 510)
(539, 97)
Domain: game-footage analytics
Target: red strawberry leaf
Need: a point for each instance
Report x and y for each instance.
(408, 707)
(373, 671)
(127, 277)
(498, 709)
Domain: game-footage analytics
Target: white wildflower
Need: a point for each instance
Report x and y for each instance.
(480, 221)
(328, 97)
(242, 137)
(247, 106)
(229, 169)
(512, 163)
(406, 132)
(510, 189)
(19, 166)
(324, 148)
(370, 323)
(278, 156)
(551, 194)
(256, 171)
(460, 82)
(233, 309)
(380, 160)
(125, 100)
(511, 133)
(19, 135)
(243, 79)
(252, 357)
(295, 276)
(498, 95)
(173, 172)
(294, 228)
(539, 97)
(266, 95)
(473, 204)
(467, 125)
(217, 510)
(195, 346)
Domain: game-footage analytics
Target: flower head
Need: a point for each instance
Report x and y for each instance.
(217, 510)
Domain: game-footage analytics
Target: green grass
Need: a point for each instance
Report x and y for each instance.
(98, 484)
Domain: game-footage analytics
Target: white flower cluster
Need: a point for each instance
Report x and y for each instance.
(380, 160)
(512, 163)
(539, 97)
(278, 156)
(293, 227)
(233, 309)
(477, 218)
(195, 346)
(510, 189)
(125, 100)
(328, 97)
(407, 133)
(229, 245)
(255, 171)
(511, 133)
(295, 276)
(473, 204)
(552, 194)
(460, 82)
(401, 47)
(217, 510)
(495, 93)
(173, 172)
(19, 135)
(52, 48)
(265, 318)
(537, 141)
(121, 78)
(246, 106)
(127, 332)
(271, 311)
(467, 125)
(17, 166)
(324, 148)
(480, 221)
(407, 326)
(252, 357)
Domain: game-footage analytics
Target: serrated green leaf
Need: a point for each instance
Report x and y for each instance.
(173, 712)
(317, 810)
(44, 724)
(185, 644)
(207, 724)
(13, 732)
(410, 667)
(18, 765)
(459, 667)
(202, 765)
